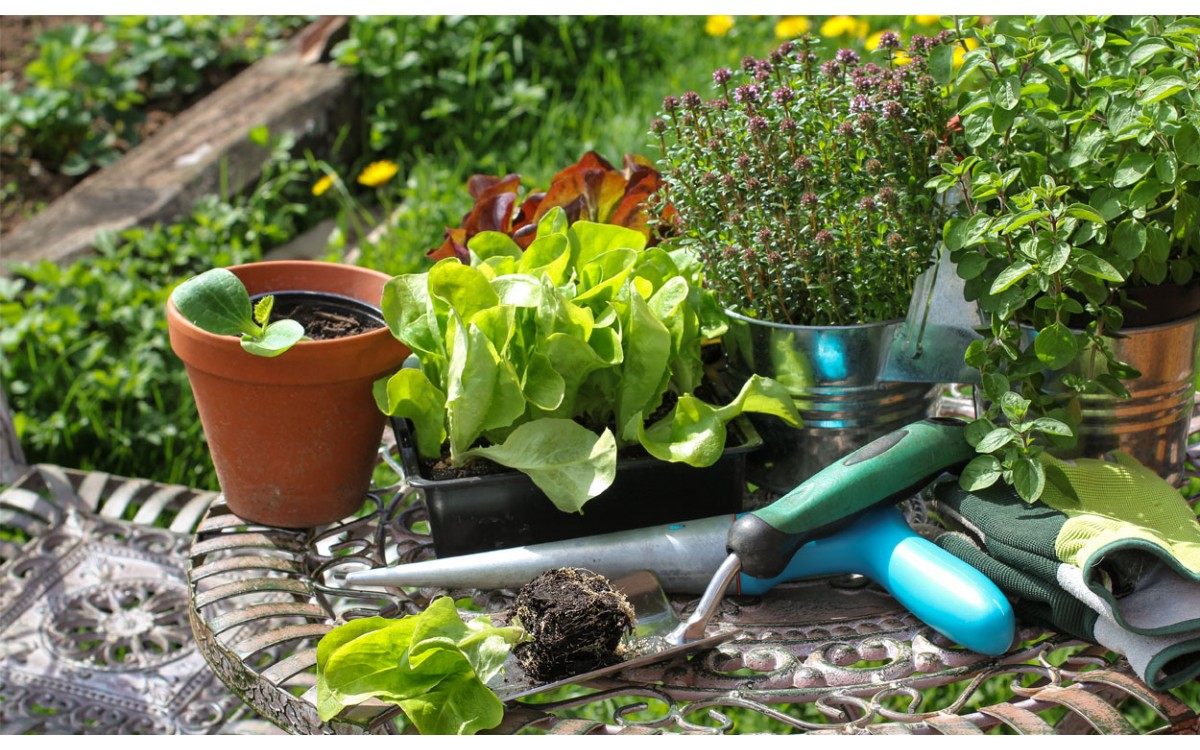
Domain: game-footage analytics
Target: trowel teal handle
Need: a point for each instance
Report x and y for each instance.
(941, 590)
(887, 469)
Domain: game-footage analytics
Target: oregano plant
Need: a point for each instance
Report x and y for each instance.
(1082, 185)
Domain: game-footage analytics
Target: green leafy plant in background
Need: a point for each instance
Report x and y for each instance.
(84, 355)
(434, 666)
(216, 301)
(84, 98)
(1082, 187)
(557, 354)
(481, 84)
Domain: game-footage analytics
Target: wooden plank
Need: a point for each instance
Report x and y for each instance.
(161, 179)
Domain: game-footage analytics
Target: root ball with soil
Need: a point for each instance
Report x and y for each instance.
(575, 620)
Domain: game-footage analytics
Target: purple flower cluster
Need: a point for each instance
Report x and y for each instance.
(802, 188)
(746, 94)
(860, 104)
(891, 110)
(847, 57)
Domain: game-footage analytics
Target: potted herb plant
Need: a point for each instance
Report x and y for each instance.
(801, 187)
(1080, 237)
(293, 431)
(548, 361)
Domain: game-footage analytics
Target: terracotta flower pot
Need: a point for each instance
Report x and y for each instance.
(293, 438)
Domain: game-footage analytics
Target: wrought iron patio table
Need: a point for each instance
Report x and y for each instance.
(826, 656)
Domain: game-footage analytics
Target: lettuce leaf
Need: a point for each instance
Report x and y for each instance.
(586, 326)
(433, 665)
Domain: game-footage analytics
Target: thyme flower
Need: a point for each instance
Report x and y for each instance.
(804, 193)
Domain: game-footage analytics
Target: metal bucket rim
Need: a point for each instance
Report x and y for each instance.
(1194, 317)
(1126, 331)
(790, 326)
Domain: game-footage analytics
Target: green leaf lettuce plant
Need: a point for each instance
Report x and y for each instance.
(802, 185)
(1081, 206)
(216, 301)
(548, 360)
(433, 665)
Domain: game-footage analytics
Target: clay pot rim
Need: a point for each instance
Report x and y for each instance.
(372, 354)
(191, 328)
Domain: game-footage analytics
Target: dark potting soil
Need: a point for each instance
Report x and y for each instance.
(1160, 304)
(325, 316)
(575, 620)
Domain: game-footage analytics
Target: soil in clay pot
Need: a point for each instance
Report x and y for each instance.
(324, 315)
(575, 619)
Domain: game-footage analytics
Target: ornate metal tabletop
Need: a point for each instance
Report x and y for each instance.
(94, 635)
(828, 656)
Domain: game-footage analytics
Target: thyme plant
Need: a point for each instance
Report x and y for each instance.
(801, 185)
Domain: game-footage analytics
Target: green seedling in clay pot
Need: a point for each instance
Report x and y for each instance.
(217, 301)
(337, 347)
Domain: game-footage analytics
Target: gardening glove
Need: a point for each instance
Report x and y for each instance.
(1111, 555)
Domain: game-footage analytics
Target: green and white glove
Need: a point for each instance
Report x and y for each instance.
(1110, 555)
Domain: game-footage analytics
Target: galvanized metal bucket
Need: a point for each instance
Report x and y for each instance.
(832, 374)
(1151, 425)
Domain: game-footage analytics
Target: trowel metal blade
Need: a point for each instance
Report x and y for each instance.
(646, 645)
(929, 345)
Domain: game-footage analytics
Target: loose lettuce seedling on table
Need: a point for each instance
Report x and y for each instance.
(217, 301)
(519, 350)
(434, 666)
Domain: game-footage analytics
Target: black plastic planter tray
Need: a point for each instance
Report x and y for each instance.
(477, 514)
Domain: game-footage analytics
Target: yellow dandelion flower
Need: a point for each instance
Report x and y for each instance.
(323, 184)
(959, 52)
(927, 20)
(718, 25)
(377, 173)
(863, 28)
(873, 40)
(840, 25)
(901, 57)
(791, 27)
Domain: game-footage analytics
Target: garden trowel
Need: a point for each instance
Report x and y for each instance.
(836, 522)
(928, 346)
(647, 644)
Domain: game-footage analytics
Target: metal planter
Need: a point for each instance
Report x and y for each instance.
(1151, 425)
(832, 373)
